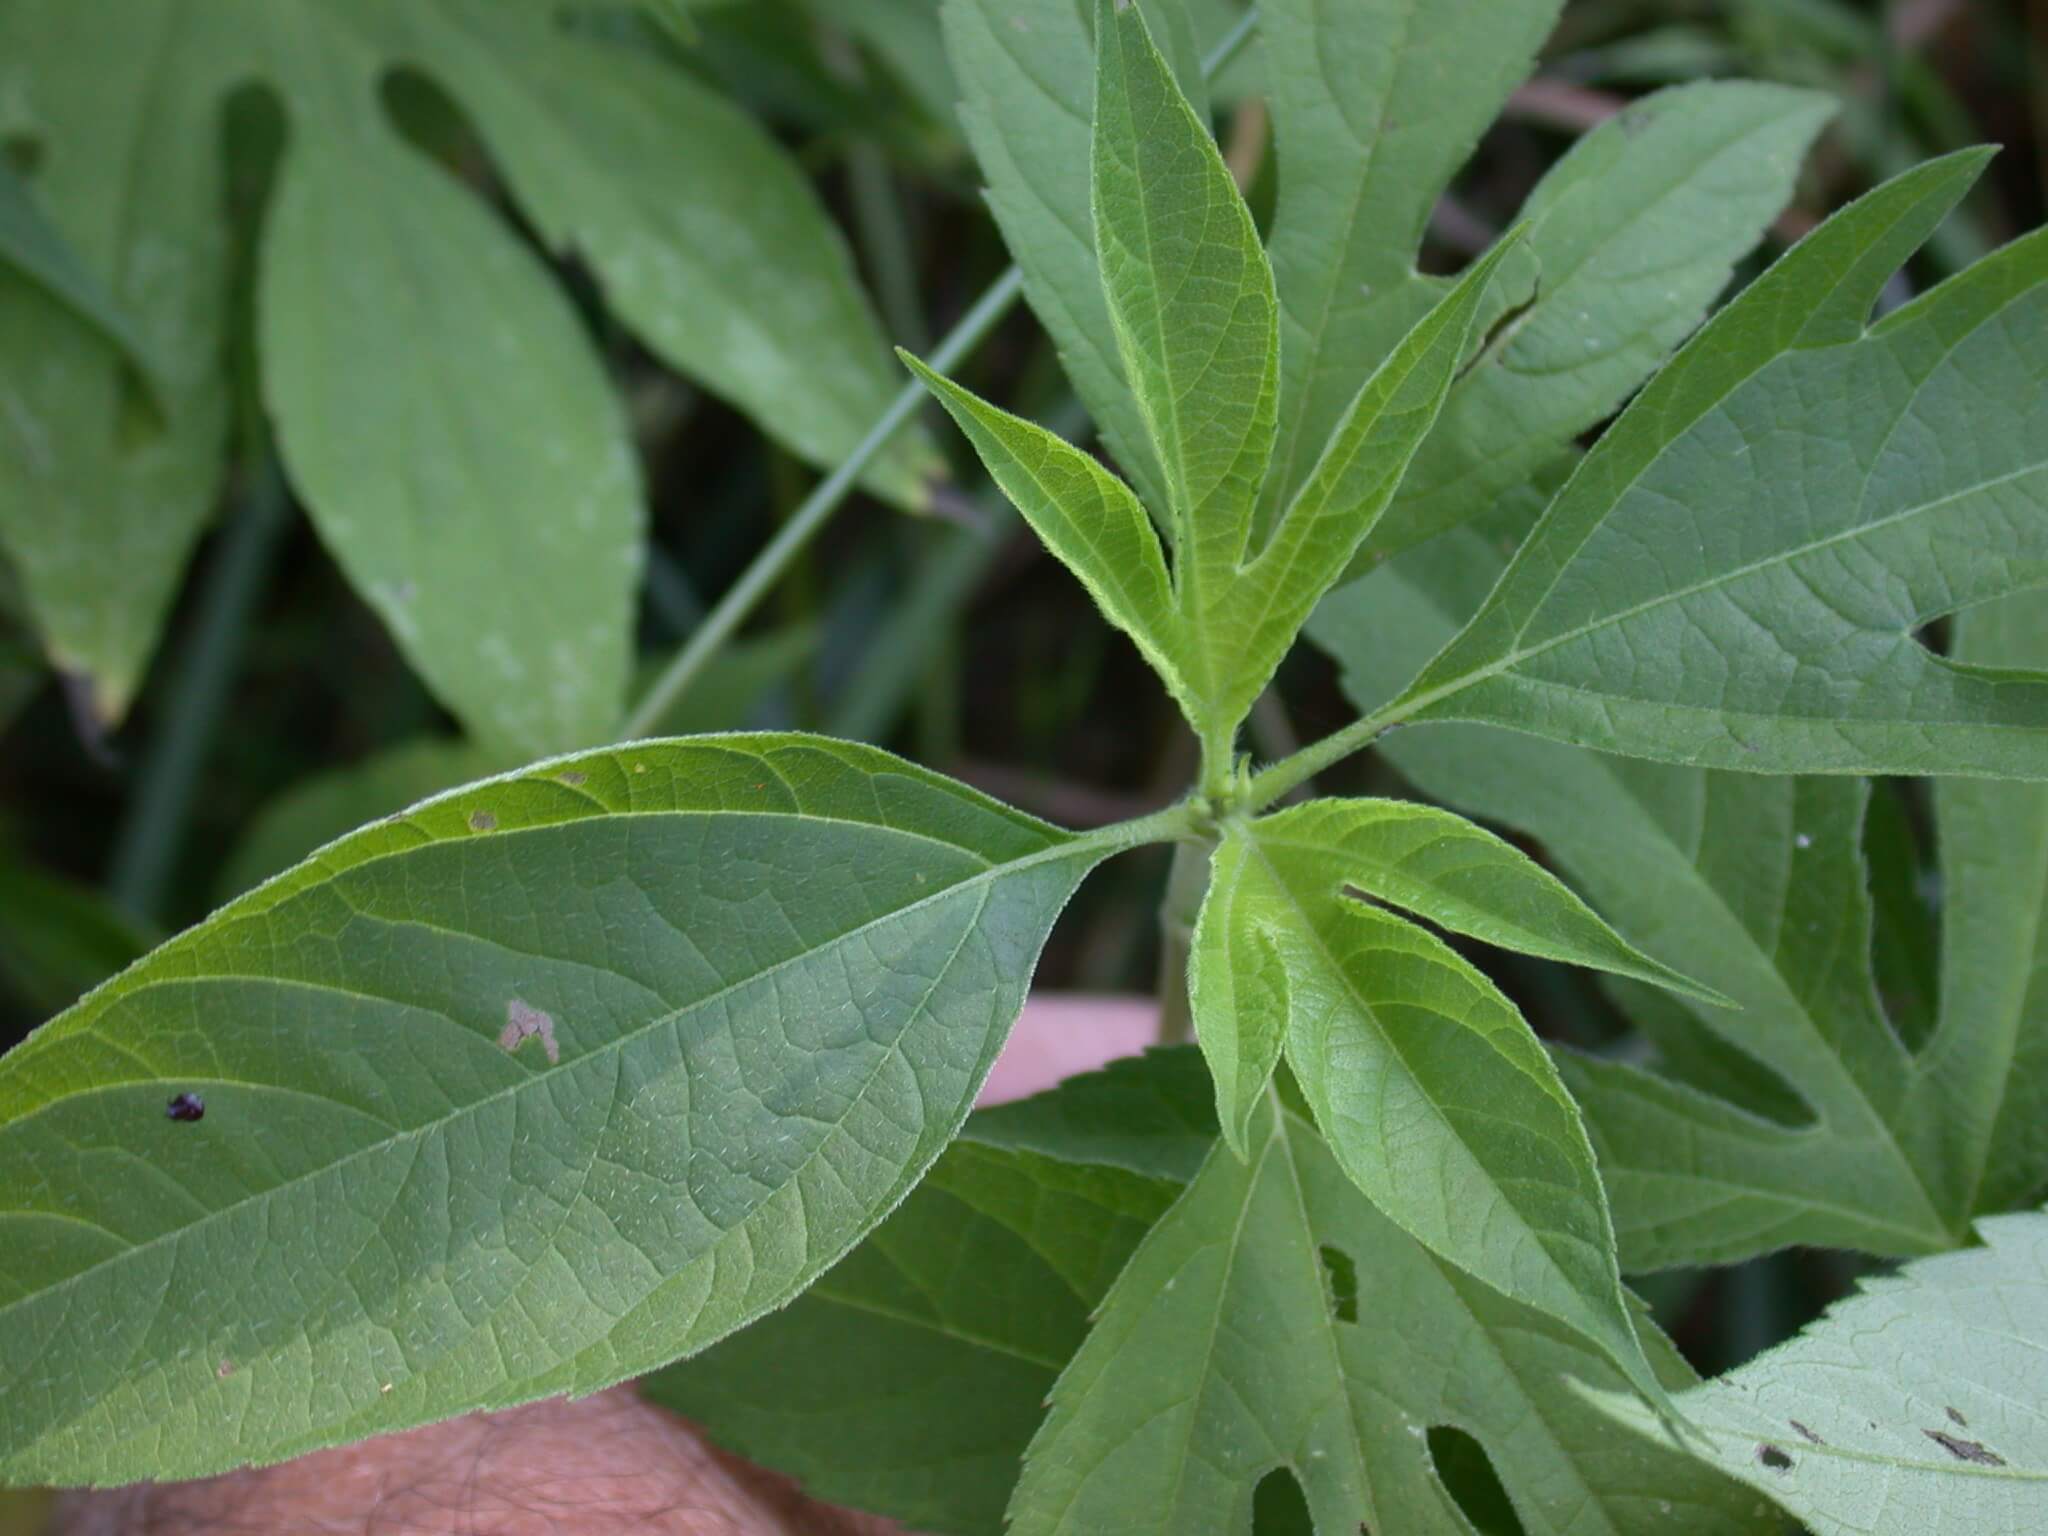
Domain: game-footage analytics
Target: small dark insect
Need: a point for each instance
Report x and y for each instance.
(186, 1107)
(1773, 1458)
(1806, 1434)
(1965, 1450)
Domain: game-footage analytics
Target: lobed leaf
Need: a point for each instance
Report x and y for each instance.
(540, 1085)
(31, 246)
(1736, 574)
(1435, 1097)
(1915, 1405)
(1274, 1319)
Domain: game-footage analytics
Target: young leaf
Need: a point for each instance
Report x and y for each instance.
(1237, 990)
(1915, 1405)
(910, 1378)
(1459, 876)
(1252, 625)
(1085, 516)
(1027, 71)
(547, 1082)
(1436, 1098)
(1272, 1319)
(1734, 576)
(1190, 301)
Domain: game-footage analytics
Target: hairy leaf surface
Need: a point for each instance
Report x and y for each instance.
(1915, 1405)
(542, 1084)
(1435, 1096)
(1272, 1319)
(1735, 575)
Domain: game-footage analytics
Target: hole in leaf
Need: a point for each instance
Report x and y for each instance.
(1467, 1473)
(1340, 1276)
(1279, 1507)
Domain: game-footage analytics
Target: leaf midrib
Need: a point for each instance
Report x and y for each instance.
(1078, 847)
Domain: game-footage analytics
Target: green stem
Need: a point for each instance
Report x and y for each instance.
(767, 567)
(1282, 778)
(1186, 884)
(153, 830)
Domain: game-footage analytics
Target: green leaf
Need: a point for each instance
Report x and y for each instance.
(550, 1081)
(1368, 138)
(721, 259)
(910, 1378)
(1436, 1098)
(1152, 1115)
(403, 328)
(1026, 70)
(1441, 867)
(1735, 575)
(1913, 1406)
(1786, 1119)
(1984, 1079)
(1251, 624)
(1085, 516)
(489, 471)
(1190, 300)
(29, 244)
(1633, 235)
(318, 810)
(88, 463)
(1274, 1319)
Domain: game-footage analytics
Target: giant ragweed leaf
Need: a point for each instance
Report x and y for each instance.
(1801, 1116)
(1435, 1096)
(1190, 299)
(440, 409)
(1913, 1406)
(542, 1084)
(1735, 575)
(1274, 1319)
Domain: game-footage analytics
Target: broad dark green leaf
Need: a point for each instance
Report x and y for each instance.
(910, 1378)
(1435, 1096)
(104, 490)
(1735, 575)
(1913, 1406)
(540, 1085)
(1026, 70)
(1799, 1116)
(1153, 1115)
(1274, 1319)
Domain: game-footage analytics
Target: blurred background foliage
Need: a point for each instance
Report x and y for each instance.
(278, 712)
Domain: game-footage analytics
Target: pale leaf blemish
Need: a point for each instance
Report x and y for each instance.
(482, 821)
(524, 1022)
(573, 779)
(225, 1369)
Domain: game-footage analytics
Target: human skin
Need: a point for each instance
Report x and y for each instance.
(604, 1464)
